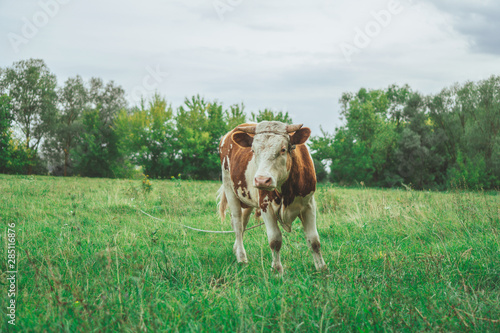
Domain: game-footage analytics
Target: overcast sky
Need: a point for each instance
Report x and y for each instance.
(294, 55)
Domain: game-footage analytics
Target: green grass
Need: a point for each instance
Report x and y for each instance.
(398, 261)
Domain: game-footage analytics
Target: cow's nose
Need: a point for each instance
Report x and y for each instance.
(263, 181)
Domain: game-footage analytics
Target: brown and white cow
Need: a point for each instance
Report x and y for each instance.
(268, 167)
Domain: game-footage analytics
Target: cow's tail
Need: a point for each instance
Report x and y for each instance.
(222, 203)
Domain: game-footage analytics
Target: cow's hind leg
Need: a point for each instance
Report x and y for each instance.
(245, 216)
(237, 223)
(308, 218)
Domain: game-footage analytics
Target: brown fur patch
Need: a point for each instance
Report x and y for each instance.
(275, 245)
(316, 246)
(235, 158)
(300, 136)
(289, 161)
(265, 198)
(277, 198)
(302, 178)
(243, 140)
(270, 196)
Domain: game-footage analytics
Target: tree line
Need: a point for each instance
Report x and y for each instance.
(87, 129)
(399, 136)
(390, 137)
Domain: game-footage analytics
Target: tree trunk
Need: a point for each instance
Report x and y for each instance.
(65, 162)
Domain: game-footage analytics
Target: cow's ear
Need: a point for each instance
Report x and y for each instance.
(300, 136)
(242, 139)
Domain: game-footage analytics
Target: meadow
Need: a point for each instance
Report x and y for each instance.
(399, 260)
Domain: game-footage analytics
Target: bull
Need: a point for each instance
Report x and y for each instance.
(266, 166)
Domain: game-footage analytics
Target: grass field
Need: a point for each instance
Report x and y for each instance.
(398, 260)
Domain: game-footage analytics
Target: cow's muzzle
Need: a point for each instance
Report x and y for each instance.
(264, 183)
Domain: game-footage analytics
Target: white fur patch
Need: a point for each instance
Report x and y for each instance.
(223, 140)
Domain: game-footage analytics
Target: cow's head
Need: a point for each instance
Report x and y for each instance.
(272, 143)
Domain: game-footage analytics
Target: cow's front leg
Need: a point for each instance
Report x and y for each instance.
(274, 238)
(308, 218)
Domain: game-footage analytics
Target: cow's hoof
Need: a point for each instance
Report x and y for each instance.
(242, 261)
(322, 267)
(319, 263)
(241, 257)
(278, 268)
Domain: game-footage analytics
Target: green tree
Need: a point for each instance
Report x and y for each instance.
(322, 151)
(448, 118)
(321, 173)
(420, 150)
(482, 133)
(146, 136)
(361, 150)
(73, 100)
(31, 88)
(6, 119)
(96, 153)
(108, 98)
(14, 157)
(351, 160)
(199, 127)
(398, 98)
(468, 116)
(92, 155)
(269, 115)
(235, 116)
(469, 172)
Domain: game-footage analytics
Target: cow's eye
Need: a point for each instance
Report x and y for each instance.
(283, 150)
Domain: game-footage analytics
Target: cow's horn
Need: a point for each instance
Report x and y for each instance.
(293, 128)
(247, 129)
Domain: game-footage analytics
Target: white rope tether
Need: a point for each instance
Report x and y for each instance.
(195, 229)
